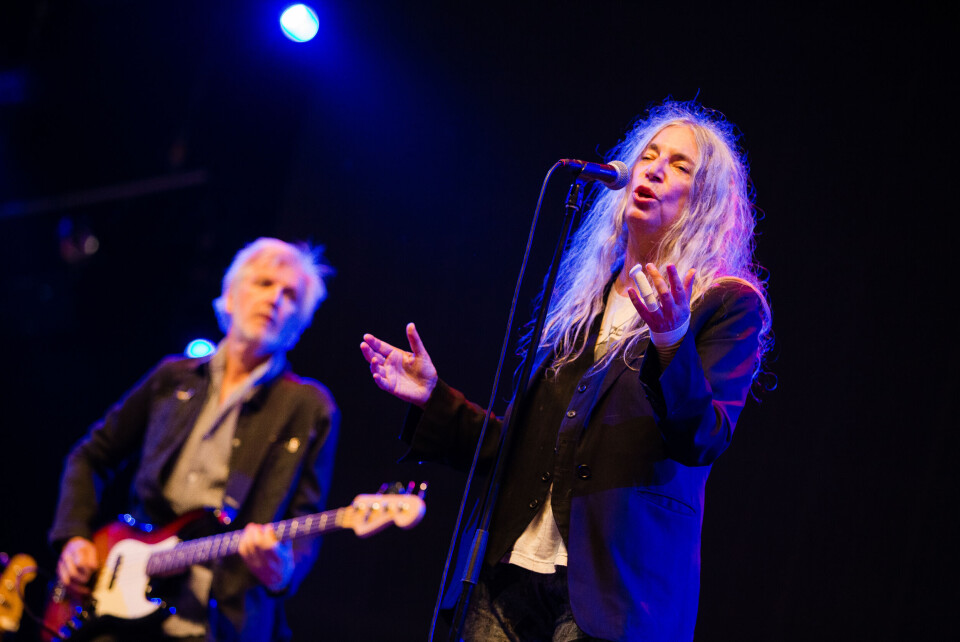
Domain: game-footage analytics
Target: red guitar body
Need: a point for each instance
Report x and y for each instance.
(120, 601)
(74, 616)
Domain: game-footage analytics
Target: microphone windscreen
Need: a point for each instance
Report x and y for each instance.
(623, 174)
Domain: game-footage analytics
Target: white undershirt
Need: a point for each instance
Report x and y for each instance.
(540, 547)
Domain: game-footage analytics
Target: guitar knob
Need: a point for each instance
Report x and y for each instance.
(65, 632)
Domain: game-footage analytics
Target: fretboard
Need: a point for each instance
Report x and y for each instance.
(198, 551)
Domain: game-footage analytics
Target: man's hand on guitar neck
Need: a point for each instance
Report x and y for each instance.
(78, 561)
(269, 560)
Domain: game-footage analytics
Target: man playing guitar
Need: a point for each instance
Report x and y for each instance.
(238, 433)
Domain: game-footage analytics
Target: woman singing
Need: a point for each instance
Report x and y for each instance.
(596, 530)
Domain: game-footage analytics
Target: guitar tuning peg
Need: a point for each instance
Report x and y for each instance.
(422, 489)
(411, 486)
(383, 488)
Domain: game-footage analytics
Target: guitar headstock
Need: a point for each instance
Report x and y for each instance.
(19, 571)
(393, 504)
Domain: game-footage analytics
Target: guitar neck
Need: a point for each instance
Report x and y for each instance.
(206, 549)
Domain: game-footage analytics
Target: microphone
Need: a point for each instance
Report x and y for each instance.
(616, 175)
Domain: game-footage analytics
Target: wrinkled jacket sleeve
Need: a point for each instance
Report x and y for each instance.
(447, 429)
(698, 397)
(93, 461)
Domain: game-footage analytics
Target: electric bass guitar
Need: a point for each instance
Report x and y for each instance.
(18, 571)
(134, 555)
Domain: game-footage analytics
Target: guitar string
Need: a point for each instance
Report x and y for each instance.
(189, 553)
(185, 554)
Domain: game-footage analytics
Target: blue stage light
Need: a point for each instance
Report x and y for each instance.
(299, 23)
(199, 348)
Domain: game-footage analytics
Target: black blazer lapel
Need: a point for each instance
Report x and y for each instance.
(188, 400)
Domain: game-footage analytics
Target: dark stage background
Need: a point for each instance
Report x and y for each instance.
(411, 140)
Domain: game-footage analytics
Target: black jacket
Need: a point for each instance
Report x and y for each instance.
(628, 462)
(280, 468)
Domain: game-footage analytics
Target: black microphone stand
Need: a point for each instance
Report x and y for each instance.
(478, 547)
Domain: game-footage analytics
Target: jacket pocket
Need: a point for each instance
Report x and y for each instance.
(665, 501)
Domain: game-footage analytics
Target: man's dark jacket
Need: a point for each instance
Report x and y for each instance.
(280, 467)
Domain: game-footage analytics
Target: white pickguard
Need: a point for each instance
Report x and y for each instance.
(121, 589)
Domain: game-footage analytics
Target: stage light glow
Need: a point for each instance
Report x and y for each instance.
(299, 23)
(199, 348)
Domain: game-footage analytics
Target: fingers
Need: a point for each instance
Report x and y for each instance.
(77, 563)
(256, 544)
(65, 571)
(688, 279)
(414, 338)
(664, 292)
(678, 288)
(244, 547)
(373, 346)
(674, 294)
(681, 288)
(639, 305)
(676, 284)
(270, 561)
(368, 352)
(70, 577)
(376, 362)
(376, 353)
(255, 539)
(74, 573)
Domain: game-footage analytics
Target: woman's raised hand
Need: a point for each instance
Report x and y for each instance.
(674, 298)
(409, 376)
